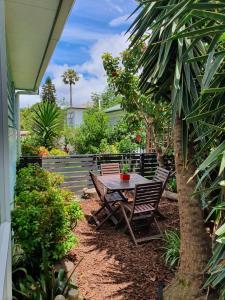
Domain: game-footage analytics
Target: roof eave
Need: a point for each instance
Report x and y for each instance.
(62, 14)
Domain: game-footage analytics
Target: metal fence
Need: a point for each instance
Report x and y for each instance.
(76, 168)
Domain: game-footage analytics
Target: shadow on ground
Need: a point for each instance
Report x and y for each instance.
(112, 267)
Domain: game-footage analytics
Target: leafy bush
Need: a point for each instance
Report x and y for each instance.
(172, 248)
(172, 185)
(93, 130)
(43, 151)
(29, 147)
(106, 148)
(57, 152)
(126, 146)
(36, 178)
(46, 285)
(44, 215)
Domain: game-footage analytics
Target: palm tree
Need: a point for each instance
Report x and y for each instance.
(165, 71)
(70, 77)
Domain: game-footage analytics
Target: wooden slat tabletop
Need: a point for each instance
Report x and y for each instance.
(114, 183)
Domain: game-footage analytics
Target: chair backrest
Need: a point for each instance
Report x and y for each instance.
(162, 175)
(148, 193)
(98, 186)
(110, 168)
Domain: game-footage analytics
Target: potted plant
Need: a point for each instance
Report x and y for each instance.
(124, 172)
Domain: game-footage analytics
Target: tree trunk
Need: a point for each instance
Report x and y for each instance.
(71, 99)
(195, 249)
(160, 156)
(148, 138)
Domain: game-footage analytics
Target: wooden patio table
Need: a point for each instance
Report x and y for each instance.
(115, 184)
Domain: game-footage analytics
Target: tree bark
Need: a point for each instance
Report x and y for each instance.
(160, 157)
(71, 99)
(148, 138)
(195, 246)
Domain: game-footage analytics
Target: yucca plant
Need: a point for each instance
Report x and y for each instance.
(47, 123)
(166, 74)
(171, 248)
(209, 114)
(216, 265)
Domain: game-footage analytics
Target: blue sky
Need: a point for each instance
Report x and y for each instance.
(93, 27)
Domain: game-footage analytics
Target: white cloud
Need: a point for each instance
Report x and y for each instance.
(72, 34)
(120, 21)
(29, 100)
(115, 6)
(92, 74)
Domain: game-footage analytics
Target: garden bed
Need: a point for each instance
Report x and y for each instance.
(112, 267)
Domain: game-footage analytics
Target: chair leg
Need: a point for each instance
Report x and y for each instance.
(94, 216)
(128, 225)
(160, 215)
(109, 215)
(157, 225)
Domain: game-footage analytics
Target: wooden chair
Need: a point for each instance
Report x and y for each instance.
(144, 207)
(162, 175)
(109, 202)
(110, 168)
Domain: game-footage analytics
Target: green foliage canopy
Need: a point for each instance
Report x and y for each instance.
(94, 129)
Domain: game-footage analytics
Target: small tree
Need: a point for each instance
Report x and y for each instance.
(106, 99)
(123, 78)
(70, 77)
(94, 129)
(48, 91)
(47, 123)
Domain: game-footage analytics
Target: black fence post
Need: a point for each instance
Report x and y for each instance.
(142, 164)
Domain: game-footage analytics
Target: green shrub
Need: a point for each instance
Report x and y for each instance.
(126, 146)
(44, 215)
(57, 152)
(106, 148)
(46, 285)
(45, 219)
(36, 178)
(172, 247)
(172, 184)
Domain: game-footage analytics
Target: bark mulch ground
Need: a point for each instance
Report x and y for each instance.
(112, 267)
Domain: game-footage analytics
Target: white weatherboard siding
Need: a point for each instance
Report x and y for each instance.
(32, 29)
(5, 228)
(75, 117)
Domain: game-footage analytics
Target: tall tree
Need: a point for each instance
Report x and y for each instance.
(123, 77)
(48, 91)
(165, 70)
(105, 99)
(70, 77)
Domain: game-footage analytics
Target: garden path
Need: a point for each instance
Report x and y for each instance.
(112, 267)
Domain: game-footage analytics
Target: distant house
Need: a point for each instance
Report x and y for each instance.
(115, 113)
(74, 116)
